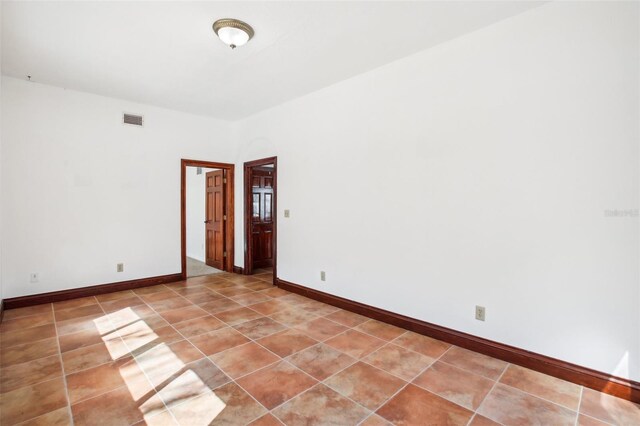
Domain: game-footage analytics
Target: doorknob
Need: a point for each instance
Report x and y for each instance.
(207, 221)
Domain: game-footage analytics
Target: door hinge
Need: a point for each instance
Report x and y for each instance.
(224, 180)
(224, 217)
(224, 254)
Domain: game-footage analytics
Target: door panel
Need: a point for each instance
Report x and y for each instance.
(256, 207)
(262, 217)
(214, 219)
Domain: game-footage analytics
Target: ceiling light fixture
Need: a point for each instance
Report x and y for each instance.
(233, 32)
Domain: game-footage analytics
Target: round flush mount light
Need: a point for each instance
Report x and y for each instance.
(233, 32)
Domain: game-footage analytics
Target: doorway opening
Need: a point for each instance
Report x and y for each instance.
(260, 216)
(207, 228)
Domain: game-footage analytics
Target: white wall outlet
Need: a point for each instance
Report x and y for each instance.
(323, 276)
(34, 277)
(120, 267)
(286, 213)
(480, 313)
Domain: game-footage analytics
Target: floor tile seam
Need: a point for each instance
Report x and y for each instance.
(207, 314)
(319, 383)
(224, 325)
(5, 320)
(264, 316)
(477, 410)
(322, 382)
(35, 418)
(579, 405)
(11, 366)
(539, 397)
(409, 382)
(475, 373)
(251, 340)
(355, 361)
(371, 335)
(129, 355)
(53, 304)
(499, 380)
(364, 360)
(64, 376)
(3, 331)
(597, 419)
(32, 341)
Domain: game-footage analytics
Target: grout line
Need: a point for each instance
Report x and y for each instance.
(409, 382)
(597, 419)
(92, 366)
(579, 404)
(64, 376)
(6, 320)
(491, 390)
(471, 419)
(395, 375)
(539, 397)
(29, 421)
(321, 382)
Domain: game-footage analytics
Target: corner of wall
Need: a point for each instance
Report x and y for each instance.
(1, 200)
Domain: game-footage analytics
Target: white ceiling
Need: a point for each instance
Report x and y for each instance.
(166, 54)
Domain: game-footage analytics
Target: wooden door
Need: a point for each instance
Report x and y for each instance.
(214, 219)
(262, 216)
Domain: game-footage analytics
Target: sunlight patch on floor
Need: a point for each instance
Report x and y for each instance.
(124, 332)
(201, 410)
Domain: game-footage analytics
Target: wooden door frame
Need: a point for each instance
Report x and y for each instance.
(229, 201)
(248, 202)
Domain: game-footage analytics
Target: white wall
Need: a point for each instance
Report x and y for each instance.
(195, 212)
(82, 191)
(477, 173)
(1, 287)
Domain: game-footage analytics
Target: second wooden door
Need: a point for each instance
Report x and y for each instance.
(214, 219)
(262, 216)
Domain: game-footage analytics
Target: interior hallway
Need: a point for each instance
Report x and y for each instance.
(196, 268)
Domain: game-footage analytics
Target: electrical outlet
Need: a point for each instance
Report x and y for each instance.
(286, 213)
(34, 277)
(323, 276)
(120, 267)
(480, 313)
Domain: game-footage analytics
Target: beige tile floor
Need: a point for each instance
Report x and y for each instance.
(232, 349)
(196, 268)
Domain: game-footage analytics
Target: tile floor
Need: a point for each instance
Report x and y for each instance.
(232, 349)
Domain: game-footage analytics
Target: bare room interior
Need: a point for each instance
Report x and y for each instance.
(320, 213)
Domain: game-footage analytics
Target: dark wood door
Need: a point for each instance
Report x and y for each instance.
(262, 216)
(214, 219)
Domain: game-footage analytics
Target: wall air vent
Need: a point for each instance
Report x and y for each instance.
(133, 119)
